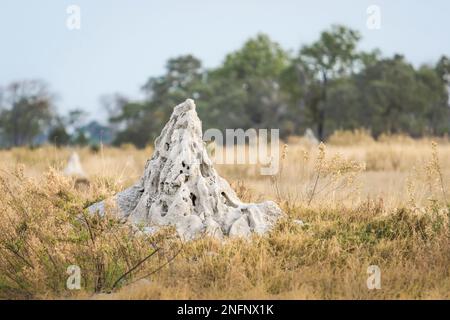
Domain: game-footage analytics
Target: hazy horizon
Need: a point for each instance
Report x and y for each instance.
(120, 45)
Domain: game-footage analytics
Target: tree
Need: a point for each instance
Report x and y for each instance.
(76, 119)
(329, 85)
(397, 98)
(432, 91)
(245, 91)
(343, 105)
(59, 136)
(143, 120)
(80, 139)
(333, 55)
(443, 69)
(25, 112)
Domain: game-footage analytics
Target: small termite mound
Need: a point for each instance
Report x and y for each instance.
(75, 171)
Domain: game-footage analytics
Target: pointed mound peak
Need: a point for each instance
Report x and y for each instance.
(187, 105)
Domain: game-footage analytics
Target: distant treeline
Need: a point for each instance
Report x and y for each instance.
(28, 117)
(327, 85)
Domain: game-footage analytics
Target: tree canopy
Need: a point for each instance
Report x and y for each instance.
(327, 85)
(330, 84)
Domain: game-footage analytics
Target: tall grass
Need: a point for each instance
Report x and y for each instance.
(385, 204)
(45, 229)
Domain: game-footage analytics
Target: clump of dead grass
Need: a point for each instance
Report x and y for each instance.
(351, 137)
(44, 230)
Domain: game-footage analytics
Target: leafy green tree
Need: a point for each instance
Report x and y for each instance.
(329, 85)
(334, 55)
(79, 139)
(143, 120)
(443, 69)
(343, 105)
(25, 112)
(59, 136)
(245, 91)
(75, 119)
(433, 95)
(398, 98)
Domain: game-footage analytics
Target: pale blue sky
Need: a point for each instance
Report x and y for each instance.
(122, 43)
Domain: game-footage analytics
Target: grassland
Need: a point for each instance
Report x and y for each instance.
(364, 202)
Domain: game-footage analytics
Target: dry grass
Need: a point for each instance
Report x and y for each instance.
(382, 202)
(349, 138)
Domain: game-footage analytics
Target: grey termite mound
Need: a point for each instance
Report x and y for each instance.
(180, 187)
